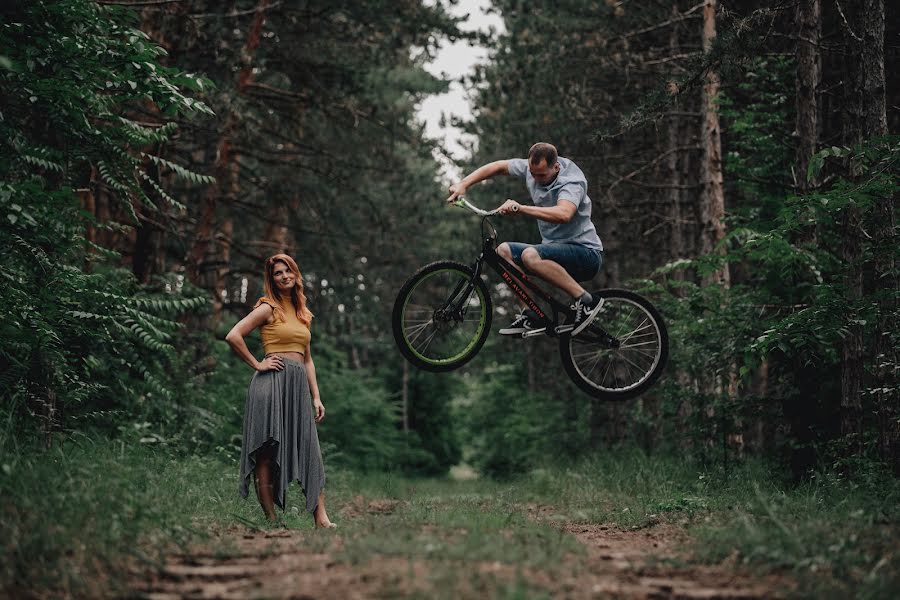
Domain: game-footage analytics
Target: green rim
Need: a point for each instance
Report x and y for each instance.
(472, 342)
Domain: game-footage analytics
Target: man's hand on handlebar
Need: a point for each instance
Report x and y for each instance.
(457, 190)
(509, 207)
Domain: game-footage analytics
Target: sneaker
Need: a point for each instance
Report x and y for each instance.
(522, 324)
(584, 314)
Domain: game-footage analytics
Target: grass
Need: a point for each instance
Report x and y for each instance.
(76, 518)
(838, 538)
(74, 515)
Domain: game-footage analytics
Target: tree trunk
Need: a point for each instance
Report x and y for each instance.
(530, 368)
(712, 202)
(712, 214)
(209, 256)
(808, 76)
(596, 424)
(676, 238)
(404, 396)
(869, 111)
(146, 258)
(886, 371)
(276, 234)
(864, 94)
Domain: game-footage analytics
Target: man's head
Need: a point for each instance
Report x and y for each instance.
(542, 163)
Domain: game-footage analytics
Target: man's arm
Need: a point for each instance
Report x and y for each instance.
(498, 167)
(561, 213)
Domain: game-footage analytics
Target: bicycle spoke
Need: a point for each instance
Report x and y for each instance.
(616, 378)
(650, 343)
(639, 327)
(639, 356)
(624, 320)
(606, 372)
(443, 314)
(625, 358)
(631, 361)
(594, 366)
(428, 341)
(418, 307)
(417, 329)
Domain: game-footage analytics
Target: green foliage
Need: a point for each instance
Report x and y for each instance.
(361, 421)
(511, 432)
(757, 113)
(81, 337)
(791, 308)
(62, 121)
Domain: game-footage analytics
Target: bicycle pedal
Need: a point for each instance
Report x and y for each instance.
(534, 332)
(564, 328)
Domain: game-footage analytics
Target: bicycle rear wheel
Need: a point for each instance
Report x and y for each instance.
(622, 352)
(442, 316)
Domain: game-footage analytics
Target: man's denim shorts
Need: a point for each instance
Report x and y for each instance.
(582, 263)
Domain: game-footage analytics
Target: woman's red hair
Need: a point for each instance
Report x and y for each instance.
(298, 298)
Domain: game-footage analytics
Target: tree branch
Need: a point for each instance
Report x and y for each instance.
(688, 14)
(137, 2)
(238, 13)
(653, 162)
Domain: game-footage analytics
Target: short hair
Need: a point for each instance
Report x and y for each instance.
(542, 151)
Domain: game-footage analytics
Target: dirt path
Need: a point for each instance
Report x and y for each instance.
(292, 564)
(267, 564)
(641, 564)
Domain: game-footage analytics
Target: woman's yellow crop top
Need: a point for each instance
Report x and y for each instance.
(284, 335)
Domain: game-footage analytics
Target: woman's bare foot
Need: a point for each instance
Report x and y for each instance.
(320, 516)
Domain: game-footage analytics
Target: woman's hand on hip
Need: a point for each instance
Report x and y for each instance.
(320, 410)
(271, 363)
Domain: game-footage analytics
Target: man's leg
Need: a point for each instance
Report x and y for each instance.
(552, 272)
(506, 252)
(583, 261)
(527, 320)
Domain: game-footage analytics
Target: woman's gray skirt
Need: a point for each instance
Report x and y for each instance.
(279, 413)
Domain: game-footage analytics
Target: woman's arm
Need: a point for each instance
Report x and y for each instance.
(260, 315)
(313, 384)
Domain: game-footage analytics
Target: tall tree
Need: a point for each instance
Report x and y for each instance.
(712, 199)
(211, 250)
(808, 75)
(864, 98)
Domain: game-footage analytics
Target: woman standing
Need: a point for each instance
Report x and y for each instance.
(280, 442)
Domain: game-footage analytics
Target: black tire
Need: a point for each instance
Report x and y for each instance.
(627, 370)
(420, 309)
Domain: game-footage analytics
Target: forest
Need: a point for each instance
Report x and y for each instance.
(742, 161)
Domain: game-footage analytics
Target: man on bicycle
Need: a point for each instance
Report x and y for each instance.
(570, 250)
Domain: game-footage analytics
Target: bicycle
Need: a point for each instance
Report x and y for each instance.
(442, 317)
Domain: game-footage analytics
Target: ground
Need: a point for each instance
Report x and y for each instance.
(385, 548)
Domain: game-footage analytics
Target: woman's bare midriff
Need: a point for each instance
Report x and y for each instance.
(297, 356)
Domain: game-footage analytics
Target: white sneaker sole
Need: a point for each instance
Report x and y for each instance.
(590, 317)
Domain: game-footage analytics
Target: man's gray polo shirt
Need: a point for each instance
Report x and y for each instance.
(571, 185)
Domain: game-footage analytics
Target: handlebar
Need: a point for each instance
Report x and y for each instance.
(463, 203)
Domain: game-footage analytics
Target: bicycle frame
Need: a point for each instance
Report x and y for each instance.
(512, 276)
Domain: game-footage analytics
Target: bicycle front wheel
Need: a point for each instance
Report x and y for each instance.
(622, 352)
(442, 316)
